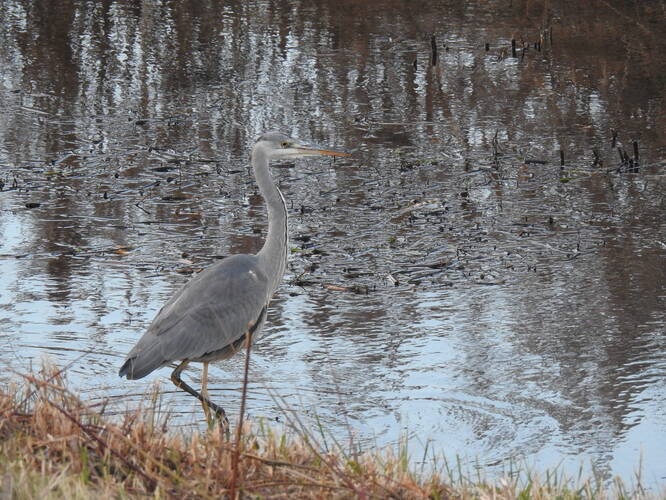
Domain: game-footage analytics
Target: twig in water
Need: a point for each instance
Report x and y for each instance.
(433, 48)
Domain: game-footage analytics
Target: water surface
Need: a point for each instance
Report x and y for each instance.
(501, 244)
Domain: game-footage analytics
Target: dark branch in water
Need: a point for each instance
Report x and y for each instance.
(433, 48)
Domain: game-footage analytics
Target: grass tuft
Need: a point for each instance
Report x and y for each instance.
(53, 445)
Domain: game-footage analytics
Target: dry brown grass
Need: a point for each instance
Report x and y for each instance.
(52, 445)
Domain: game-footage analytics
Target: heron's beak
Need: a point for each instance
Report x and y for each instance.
(316, 151)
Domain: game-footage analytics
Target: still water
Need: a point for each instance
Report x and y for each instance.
(496, 246)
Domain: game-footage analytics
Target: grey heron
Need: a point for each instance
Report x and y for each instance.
(213, 315)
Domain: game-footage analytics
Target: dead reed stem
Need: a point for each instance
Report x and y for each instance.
(239, 427)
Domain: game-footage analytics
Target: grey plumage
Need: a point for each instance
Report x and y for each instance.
(224, 306)
(211, 312)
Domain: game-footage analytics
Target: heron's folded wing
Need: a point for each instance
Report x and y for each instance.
(211, 311)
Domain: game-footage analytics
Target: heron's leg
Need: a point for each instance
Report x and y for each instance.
(204, 391)
(178, 382)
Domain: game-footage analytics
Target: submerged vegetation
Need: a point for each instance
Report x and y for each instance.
(54, 445)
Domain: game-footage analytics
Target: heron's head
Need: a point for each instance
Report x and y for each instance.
(280, 146)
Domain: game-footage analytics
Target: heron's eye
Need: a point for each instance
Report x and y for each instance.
(285, 144)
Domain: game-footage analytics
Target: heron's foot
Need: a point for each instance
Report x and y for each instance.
(207, 404)
(209, 418)
(220, 416)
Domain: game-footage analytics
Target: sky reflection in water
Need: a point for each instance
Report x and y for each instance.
(528, 318)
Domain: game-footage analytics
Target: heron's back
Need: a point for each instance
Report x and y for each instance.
(208, 314)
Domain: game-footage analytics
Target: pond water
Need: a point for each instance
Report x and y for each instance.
(485, 276)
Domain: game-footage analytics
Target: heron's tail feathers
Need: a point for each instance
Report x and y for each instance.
(139, 365)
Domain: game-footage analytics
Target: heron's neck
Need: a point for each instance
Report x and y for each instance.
(274, 252)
